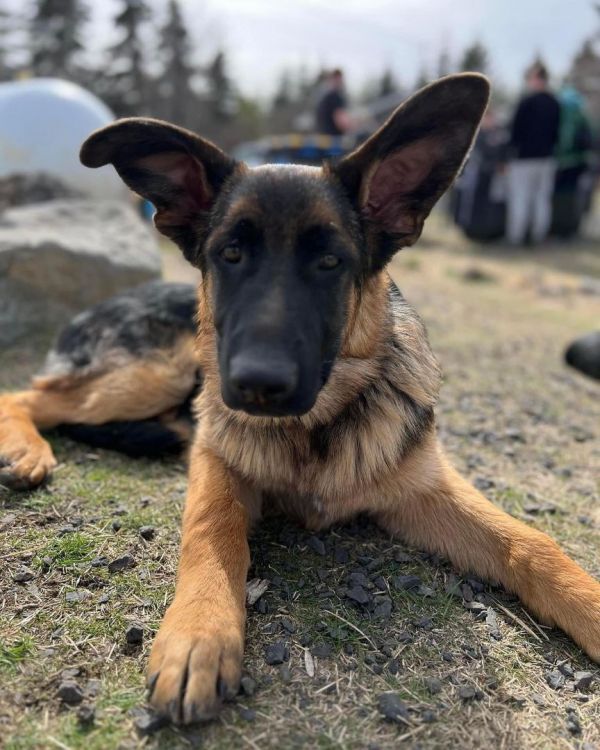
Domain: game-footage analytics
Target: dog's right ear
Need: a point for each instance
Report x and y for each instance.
(175, 169)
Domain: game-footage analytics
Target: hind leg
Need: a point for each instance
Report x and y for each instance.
(140, 390)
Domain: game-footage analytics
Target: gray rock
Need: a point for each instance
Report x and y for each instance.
(583, 680)
(23, 575)
(121, 563)
(358, 594)
(433, 685)
(248, 685)
(555, 679)
(86, 714)
(316, 545)
(62, 256)
(406, 583)
(277, 653)
(393, 708)
(134, 634)
(146, 721)
(148, 533)
(70, 692)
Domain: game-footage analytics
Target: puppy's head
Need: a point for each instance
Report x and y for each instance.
(284, 247)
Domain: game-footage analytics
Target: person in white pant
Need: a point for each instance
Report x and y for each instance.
(530, 174)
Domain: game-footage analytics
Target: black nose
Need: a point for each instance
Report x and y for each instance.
(262, 381)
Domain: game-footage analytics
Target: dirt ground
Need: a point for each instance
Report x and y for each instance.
(468, 667)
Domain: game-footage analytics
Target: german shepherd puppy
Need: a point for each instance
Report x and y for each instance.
(318, 381)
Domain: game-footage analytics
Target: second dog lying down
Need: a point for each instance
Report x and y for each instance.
(318, 381)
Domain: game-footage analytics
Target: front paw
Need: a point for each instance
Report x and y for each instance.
(25, 465)
(195, 664)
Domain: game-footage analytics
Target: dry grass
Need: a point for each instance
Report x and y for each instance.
(511, 416)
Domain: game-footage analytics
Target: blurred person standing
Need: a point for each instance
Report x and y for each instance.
(533, 138)
(331, 115)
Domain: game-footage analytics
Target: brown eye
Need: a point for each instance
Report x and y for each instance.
(232, 254)
(329, 261)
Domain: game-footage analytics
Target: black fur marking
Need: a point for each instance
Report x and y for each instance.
(146, 438)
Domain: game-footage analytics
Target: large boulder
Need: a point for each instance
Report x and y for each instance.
(62, 256)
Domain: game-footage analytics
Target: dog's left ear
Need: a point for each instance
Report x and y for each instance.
(175, 169)
(395, 178)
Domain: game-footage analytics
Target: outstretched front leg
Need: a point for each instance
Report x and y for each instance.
(197, 655)
(439, 511)
(26, 459)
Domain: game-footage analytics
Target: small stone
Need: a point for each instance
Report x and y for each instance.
(358, 578)
(248, 714)
(86, 714)
(248, 685)
(341, 555)
(535, 509)
(393, 666)
(425, 623)
(103, 599)
(120, 511)
(406, 583)
(116, 525)
(583, 680)
(433, 685)
(566, 669)
(538, 699)
(148, 533)
(70, 692)
(288, 625)
(255, 589)
(358, 594)
(447, 656)
(285, 673)
(147, 721)
(392, 708)
(491, 620)
(383, 607)
(467, 692)
(73, 597)
(316, 545)
(322, 650)
(23, 575)
(99, 562)
(134, 634)
(477, 608)
(402, 557)
(276, 653)
(121, 563)
(428, 716)
(555, 679)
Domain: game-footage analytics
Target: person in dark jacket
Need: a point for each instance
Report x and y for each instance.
(533, 139)
(332, 114)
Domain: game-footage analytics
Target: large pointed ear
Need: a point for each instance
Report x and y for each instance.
(395, 178)
(179, 172)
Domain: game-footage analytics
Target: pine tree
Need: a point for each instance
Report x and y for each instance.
(221, 95)
(387, 83)
(475, 58)
(55, 36)
(4, 44)
(175, 86)
(126, 82)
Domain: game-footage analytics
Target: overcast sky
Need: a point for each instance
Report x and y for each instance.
(262, 37)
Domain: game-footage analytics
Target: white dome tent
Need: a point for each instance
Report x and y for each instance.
(43, 122)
